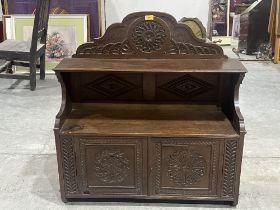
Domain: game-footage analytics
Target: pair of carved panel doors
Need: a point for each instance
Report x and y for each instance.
(181, 168)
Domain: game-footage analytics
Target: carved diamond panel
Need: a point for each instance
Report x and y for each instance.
(111, 86)
(186, 86)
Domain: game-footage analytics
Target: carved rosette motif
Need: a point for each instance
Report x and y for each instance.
(68, 158)
(229, 167)
(204, 165)
(148, 36)
(111, 166)
(186, 167)
(128, 167)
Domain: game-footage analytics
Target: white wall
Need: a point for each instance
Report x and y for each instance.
(115, 10)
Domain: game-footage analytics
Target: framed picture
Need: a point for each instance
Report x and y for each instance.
(91, 7)
(65, 34)
(4, 7)
(1, 11)
(7, 27)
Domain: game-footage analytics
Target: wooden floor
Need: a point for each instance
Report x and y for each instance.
(148, 120)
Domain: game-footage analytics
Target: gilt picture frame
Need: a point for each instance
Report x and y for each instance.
(65, 34)
(91, 7)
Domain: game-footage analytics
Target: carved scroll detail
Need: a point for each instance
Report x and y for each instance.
(119, 48)
(179, 48)
(229, 167)
(68, 158)
(124, 48)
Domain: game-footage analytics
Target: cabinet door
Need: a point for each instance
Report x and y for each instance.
(183, 167)
(112, 166)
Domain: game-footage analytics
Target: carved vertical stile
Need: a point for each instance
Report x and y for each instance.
(240, 127)
(139, 159)
(229, 168)
(158, 167)
(68, 158)
(82, 151)
(214, 167)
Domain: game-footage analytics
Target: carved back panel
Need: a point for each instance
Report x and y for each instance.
(190, 88)
(149, 35)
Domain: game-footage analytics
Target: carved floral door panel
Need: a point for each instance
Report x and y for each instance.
(184, 166)
(112, 165)
(157, 167)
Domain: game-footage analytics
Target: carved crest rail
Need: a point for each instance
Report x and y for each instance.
(157, 37)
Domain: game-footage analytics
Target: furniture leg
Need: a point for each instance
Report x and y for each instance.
(32, 76)
(276, 50)
(10, 69)
(234, 203)
(42, 67)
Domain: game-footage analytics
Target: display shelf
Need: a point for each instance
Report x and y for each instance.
(148, 120)
(149, 65)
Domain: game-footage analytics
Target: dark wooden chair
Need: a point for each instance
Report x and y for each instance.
(27, 53)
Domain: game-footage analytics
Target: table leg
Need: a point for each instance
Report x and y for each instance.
(276, 50)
